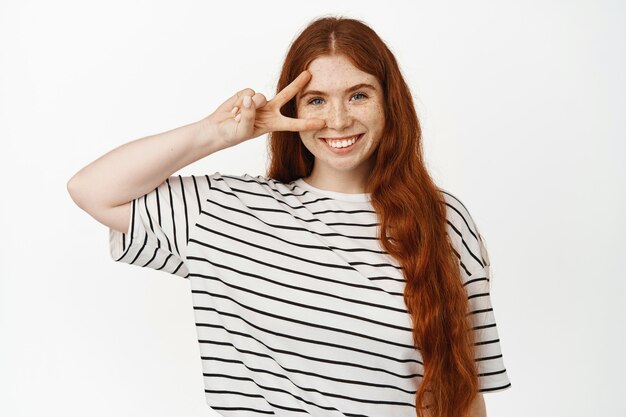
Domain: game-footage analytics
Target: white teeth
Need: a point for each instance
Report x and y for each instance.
(341, 143)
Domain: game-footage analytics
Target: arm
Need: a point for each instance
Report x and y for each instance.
(105, 187)
(478, 407)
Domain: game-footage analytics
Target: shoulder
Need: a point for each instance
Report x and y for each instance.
(464, 233)
(457, 213)
(244, 180)
(246, 184)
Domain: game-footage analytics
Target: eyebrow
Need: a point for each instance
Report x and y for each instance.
(347, 90)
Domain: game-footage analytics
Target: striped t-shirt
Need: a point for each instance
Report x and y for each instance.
(298, 309)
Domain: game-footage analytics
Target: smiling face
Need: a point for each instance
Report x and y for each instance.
(351, 103)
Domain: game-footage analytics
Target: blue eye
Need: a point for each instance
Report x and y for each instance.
(359, 94)
(312, 101)
(316, 101)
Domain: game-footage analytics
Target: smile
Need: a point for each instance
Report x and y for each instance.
(342, 145)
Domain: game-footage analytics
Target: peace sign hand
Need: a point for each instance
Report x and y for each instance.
(247, 115)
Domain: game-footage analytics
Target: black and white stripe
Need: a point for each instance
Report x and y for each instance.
(298, 309)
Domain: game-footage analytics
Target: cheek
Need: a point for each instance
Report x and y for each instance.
(370, 112)
(306, 137)
(307, 113)
(377, 118)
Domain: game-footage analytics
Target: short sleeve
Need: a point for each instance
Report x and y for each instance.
(470, 247)
(488, 352)
(159, 225)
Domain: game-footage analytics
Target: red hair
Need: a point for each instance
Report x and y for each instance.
(410, 207)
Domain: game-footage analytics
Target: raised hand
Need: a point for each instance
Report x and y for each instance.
(247, 114)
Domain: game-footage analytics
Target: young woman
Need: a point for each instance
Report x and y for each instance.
(344, 282)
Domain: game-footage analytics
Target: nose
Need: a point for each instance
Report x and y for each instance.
(338, 117)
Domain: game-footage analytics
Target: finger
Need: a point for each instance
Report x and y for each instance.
(292, 89)
(259, 100)
(231, 102)
(246, 116)
(299, 125)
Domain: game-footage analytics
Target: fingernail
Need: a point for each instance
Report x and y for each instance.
(247, 101)
(238, 117)
(234, 110)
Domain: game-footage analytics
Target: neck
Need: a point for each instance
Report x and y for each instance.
(349, 182)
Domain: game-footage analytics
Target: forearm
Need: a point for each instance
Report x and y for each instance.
(137, 167)
(478, 408)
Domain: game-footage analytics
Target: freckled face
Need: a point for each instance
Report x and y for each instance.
(351, 103)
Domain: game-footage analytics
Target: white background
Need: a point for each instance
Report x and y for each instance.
(522, 105)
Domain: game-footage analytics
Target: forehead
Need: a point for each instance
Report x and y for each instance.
(332, 73)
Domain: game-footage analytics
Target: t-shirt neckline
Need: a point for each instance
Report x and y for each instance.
(335, 195)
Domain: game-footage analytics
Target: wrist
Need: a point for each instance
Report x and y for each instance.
(207, 137)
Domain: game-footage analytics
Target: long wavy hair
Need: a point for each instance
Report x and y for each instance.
(408, 204)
